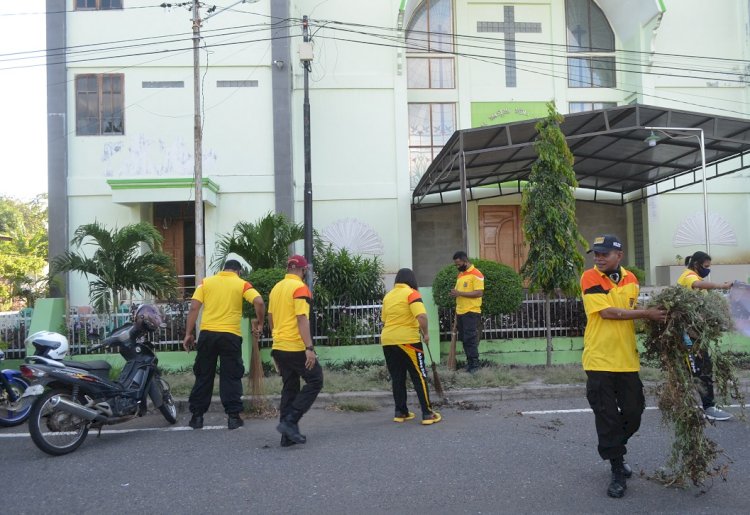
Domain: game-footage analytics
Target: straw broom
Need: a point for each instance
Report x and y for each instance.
(257, 391)
(452, 352)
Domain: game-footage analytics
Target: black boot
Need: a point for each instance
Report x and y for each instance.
(618, 484)
(472, 365)
(289, 428)
(196, 421)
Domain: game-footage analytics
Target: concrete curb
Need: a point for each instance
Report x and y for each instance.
(385, 398)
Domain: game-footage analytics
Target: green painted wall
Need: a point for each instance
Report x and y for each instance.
(484, 114)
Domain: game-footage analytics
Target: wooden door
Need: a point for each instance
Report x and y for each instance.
(174, 242)
(500, 235)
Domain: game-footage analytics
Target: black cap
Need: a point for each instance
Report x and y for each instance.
(605, 243)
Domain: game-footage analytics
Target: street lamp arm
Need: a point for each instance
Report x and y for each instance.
(702, 141)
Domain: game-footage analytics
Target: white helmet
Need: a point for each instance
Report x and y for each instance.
(49, 344)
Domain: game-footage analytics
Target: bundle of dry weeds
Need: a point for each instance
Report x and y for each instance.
(703, 317)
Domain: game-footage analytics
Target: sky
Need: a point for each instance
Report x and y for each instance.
(23, 133)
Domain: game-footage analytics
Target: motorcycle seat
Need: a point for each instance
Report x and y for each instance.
(91, 366)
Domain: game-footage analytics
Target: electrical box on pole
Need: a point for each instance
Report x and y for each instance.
(305, 52)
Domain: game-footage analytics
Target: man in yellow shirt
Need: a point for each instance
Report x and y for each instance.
(221, 297)
(610, 357)
(292, 350)
(468, 294)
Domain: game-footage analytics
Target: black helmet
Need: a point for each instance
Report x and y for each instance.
(147, 318)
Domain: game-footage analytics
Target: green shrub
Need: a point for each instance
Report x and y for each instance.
(344, 279)
(503, 289)
(262, 279)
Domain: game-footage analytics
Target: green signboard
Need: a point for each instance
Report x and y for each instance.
(484, 114)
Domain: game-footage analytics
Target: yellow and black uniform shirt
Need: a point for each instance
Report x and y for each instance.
(470, 280)
(401, 306)
(688, 278)
(609, 345)
(221, 296)
(288, 299)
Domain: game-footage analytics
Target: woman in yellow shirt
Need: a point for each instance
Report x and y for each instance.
(404, 318)
(693, 278)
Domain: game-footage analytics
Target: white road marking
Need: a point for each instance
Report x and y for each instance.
(134, 430)
(588, 410)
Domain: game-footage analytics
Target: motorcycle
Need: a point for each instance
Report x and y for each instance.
(13, 411)
(73, 397)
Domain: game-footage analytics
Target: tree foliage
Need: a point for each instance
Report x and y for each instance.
(703, 317)
(263, 244)
(118, 263)
(503, 290)
(23, 250)
(344, 279)
(549, 215)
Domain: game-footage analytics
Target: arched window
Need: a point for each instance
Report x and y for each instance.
(429, 65)
(430, 31)
(590, 36)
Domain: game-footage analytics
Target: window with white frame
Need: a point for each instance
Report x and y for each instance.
(430, 32)
(98, 5)
(591, 39)
(100, 104)
(430, 127)
(579, 107)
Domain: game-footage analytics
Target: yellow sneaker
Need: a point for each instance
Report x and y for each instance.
(401, 417)
(434, 419)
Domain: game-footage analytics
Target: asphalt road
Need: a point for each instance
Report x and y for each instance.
(498, 458)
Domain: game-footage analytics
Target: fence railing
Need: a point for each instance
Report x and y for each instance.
(14, 327)
(333, 325)
(567, 318)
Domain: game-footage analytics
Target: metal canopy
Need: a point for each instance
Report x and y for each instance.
(614, 163)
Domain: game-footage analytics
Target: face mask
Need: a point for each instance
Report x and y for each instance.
(463, 268)
(703, 272)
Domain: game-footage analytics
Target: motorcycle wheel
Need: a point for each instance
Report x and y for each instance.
(168, 407)
(54, 431)
(14, 414)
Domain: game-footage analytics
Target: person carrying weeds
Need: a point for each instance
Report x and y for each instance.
(404, 319)
(292, 350)
(693, 278)
(610, 358)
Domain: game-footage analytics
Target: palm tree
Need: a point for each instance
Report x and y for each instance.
(118, 263)
(263, 244)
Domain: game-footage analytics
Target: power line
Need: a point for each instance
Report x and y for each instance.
(491, 60)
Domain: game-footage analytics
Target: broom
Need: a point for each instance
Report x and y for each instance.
(257, 391)
(452, 352)
(435, 376)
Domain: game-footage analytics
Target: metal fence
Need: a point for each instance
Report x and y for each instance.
(86, 329)
(332, 325)
(14, 327)
(567, 318)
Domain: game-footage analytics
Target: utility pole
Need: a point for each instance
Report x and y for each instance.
(306, 56)
(200, 250)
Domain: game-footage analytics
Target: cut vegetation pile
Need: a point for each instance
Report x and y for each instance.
(703, 317)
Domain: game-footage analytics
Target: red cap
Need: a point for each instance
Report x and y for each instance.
(296, 261)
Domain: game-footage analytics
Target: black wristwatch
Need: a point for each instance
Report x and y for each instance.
(310, 348)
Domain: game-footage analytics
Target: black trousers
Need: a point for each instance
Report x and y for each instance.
(468, 333)
(702, 368)
(401, 359)
(211, 347)
(295, 402)
(618, 402)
